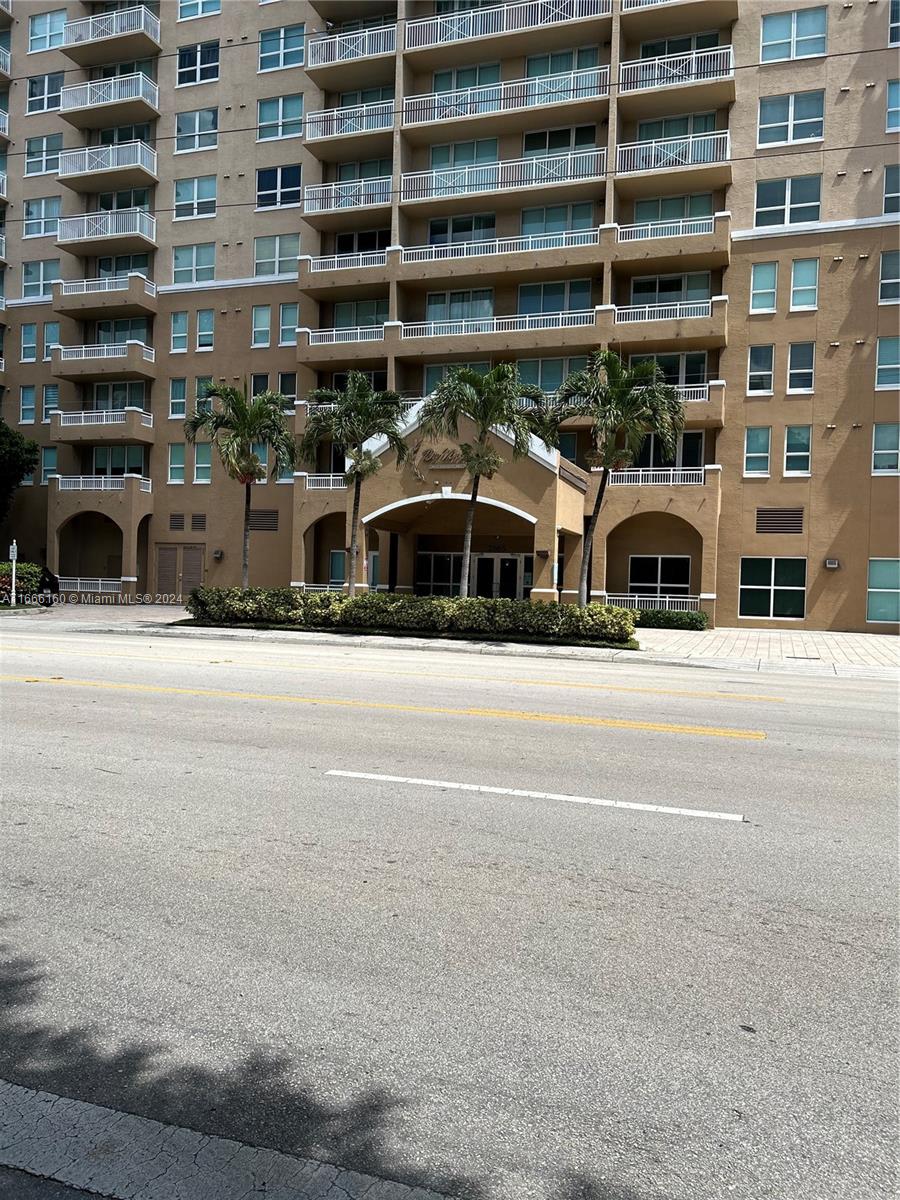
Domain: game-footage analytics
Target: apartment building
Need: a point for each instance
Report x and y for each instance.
(281, 191)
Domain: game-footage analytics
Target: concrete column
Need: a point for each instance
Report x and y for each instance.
(572, 551)
(546, 585)
(406, 562)
(298, 547)
(129, 558)
(597, 579)
(384, 557)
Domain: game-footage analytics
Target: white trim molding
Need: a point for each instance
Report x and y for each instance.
(211, 284)
(448, 495)
(767, 231)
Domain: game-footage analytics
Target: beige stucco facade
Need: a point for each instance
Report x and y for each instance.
(430, 138)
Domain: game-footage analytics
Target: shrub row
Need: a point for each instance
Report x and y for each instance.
(27, 579)
(664, 618)
(420, 614)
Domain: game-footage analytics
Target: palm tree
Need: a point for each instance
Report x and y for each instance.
(350, 419)
(623, 404)
(235, 425)
(491, 402)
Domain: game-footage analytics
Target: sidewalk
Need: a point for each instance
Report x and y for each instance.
(805, 652)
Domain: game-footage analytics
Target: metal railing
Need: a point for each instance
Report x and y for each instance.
(692, 393)
(343, 262)
(321, 483)
(505, 18)
(2, 245)
(111, 24)
(109, 91)
(684, 227)
(356, 333)
(107, 158)
(98, 483)
(663, 312)
(105, 350)
(511, 173)
(697, 66)
(104, 416)
(69, 583)
(657, 476)
(672, 603)
(516, 324)
(3, 184)
(118, 223)
(630, 5)
(5, 62)
(112, 283)
(353, 193)
(2, 364)
(692, 150)
(588, 84)
(507, 245)
(4, 123)
(357, 118)
(347, 47)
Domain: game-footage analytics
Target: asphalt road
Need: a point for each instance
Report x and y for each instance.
(504, 997)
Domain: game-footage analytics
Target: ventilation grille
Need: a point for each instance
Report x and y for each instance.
(176, 521)
(779, 520)
(264, 519)
(198, 522)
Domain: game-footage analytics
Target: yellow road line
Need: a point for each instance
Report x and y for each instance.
(356, 669)
(423, 709)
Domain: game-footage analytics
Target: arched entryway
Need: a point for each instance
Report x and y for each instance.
(325, 546)
(90, 547)
(656, 557)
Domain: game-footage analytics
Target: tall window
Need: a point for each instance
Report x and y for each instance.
(280, 48)
(206, 318)
(202, 462)
(176, 462)
(797, 449)
(757, 445)
(179, 342)
(796, 117)
(197, 130)
(187, 9)
(894, 24)
(800, 34)
(886, 448)
(26, 405)
(804, 284)
(288, 315)
(801, 366)
(893, 106)
(788, 201)
(883, 594)
(43, 92)
(565, 296)
(195, 197)
(50, 400)
(287, 385)
(279, 117)
(262, 323)
(763, 286)
(773, 587)
(761, 369)
(38, 276)
(278, 186)
(887, 363)
(276, 254)
(51, 337)
(48, 463)
(892, 188)
(45, 30)
(198, 64)
(29, 343)
(194, 264)
(42, 154)
(889, 277)
(177, 398)
(261, 450)
(41, 217)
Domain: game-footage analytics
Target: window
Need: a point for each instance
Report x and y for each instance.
(280, 48)
(801, 365)
(278, 186)
(198, 64)
(202, 385)
(288, 315)
(894, 24)
(29, 343)
(804, 284)
(51, 400)
(279, 117)
(887, 363)
(889, 277)
(262, 322)
(797, 449)
(773, 587)
(179, 333)
(800, 34)
(688, 451)
(788, 201)
(455, 306)
(126, 198)
(176, 462)
(276, 255)
(48, 463)
(337, 567)
(120, 265)
(41, 217)
(261, 450)
(565, 296)
(119, 395)
(761, 369)
(287, 385)
(177, 397)
(197, 130)
(893, 106)
(435, 373)
(352, 314)
(118, 331)
(118, 460)
(188, 9)
(203, 462)
(38, 276)
(43, 92)
(763, 284)
(118, 134)
(886, 449)
(673, 208)
(45, 30)
(205, 328)
(892, 188)
(42, 154)
(558, 141)
(463, 154)
(51, 337)
(195, 197)
(259, 383)
(568, 446)
(659, 574)
(757, 443)
(26, 405)
(670, 289)
(883, 595)
(797, 117)
(680, 370)
(194, 264)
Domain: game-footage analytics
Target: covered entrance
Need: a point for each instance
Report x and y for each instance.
(503, 576)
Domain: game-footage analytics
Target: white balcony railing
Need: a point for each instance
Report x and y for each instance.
(685, 227)
(348, 47)
(672, 603)
(500, 176)
(105, 416)
(2, 185)
(104, 351)
(683, 309)
(356, 333)
(122, 222)
(343, 262)
(692, 150)
(2, 365)
(692, 393)
(107, 158)
(68, 583)
(321, 483)
(507, 245)
(5, 62)
(697, 66)
(588, 84)
(505, 18)
(114, 283)
(354, 193)
(111, 24)
(117, 90)
(6, 6)
(2, 245)
(358, 118)
(4, 123)
(657, 477)
(630, 5)
(516, 324)
(99, 483)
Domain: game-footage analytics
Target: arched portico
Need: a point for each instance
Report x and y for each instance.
(89, 545)
(655, 559)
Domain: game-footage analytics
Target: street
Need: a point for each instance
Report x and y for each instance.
(243, 897)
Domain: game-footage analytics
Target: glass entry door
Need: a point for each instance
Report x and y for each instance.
(497, 576)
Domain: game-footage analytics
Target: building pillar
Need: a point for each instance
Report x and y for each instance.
(572, 547)
(406, 562)
(546, 585)
(299, 557)
(597, 576)
(129, 558)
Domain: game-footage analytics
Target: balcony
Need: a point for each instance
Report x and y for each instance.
(2, 247)
(683, 310)
(116, 360)
(509, 105)
(352, 129)
(122, 231)
(642, 19)
(524, 323)
(688, 244)
(124, 498)
(325, 483)
(575, 330)
(123, 100)
(355, 333)
(5, 66)
(701, 160)
(573, 174)
(549, 24)
(703, 78)
(124, 35)
(120, 296)
(4, 125)
(100, 168)
(3, 187)
(348, 262)
(127, 426)
(366, 49)
(657, 477)
(335, 205)
(5, 13)
(682, 325)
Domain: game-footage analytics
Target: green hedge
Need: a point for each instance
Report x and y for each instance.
(419, 614)
(27, 578)
(664, 618)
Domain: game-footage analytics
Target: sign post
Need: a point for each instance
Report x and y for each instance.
(13, 556)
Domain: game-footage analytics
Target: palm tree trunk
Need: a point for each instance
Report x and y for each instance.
(467, 539)
(589, 539)
(354, 534)
(245, 560)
